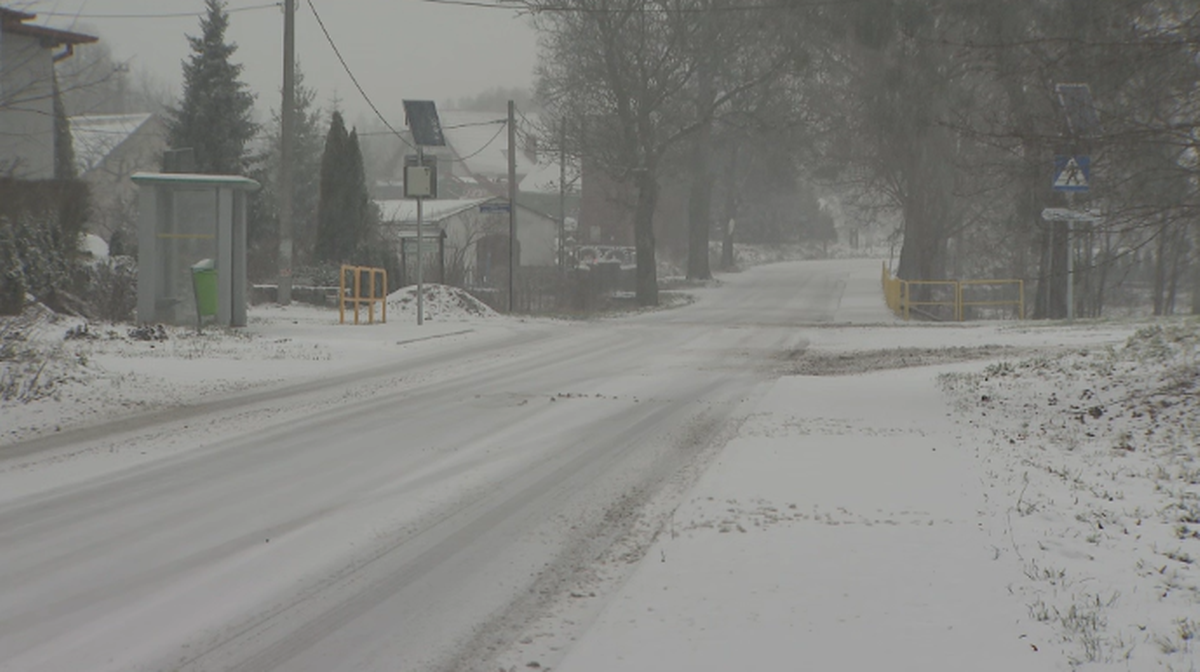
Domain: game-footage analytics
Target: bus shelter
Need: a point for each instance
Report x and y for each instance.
(190, 221)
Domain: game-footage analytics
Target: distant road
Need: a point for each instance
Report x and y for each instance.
(406, 527)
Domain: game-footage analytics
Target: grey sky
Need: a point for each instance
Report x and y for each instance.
(397, 48)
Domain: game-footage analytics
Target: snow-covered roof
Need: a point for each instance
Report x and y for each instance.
(196, 180)
(95, 136)
(404, 211)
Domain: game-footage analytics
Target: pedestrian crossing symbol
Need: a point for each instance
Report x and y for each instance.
(1071, 173)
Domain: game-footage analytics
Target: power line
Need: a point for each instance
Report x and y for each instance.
(463, 159)
(475, 123)
(566, 8)
(444, 128)
(354, 79)
(168, 15)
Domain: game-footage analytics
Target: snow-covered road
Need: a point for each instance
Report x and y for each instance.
(409, 523)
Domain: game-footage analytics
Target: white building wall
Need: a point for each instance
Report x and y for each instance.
(26, 108)
(537, 235)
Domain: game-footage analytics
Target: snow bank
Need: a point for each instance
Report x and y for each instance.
(1093, 485)
(442, 302)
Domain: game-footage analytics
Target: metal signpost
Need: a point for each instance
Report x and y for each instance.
(420, 175)
(1072, 174)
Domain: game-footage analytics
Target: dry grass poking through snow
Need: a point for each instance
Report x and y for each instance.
(1093, 482)
(32, 366)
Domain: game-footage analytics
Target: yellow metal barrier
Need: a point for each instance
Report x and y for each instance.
(1018, 303)
(893, 289)
(898, 295)
(909, 303)
(357, 297)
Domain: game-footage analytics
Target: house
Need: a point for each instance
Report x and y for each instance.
(109, 148)
(475, 233)
(27, 92)
(474, 163)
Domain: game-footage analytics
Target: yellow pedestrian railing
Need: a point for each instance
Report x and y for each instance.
(1017, 303)
(899, 295)
(909, 302)
(352, 292)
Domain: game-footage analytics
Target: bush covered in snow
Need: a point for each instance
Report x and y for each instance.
(40, 227)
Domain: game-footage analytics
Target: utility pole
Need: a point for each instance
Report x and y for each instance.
(420, 249)
(562, 196)
(287, 131)
(513, 258)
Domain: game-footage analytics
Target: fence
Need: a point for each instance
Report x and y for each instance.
(357, 298)
(899, 295)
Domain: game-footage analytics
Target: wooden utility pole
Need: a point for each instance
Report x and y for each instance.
(420, 249)
(287, 131)
(562, 196)
(513, 257)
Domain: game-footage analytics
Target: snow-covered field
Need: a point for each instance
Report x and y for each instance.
(987, 496)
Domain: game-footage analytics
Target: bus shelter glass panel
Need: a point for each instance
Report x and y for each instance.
(186, 236)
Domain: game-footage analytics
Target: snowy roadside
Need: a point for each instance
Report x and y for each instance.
(76, 374)
(861, 517)
(1092, 483)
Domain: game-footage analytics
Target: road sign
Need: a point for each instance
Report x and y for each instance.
(1071, 173)
(494, 206)
(1067, 215)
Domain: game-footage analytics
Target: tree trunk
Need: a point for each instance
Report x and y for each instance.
(1102, 271)
(1178, 242)
(1196, 269)
(728, 222)
(700, 198)
(643, 234)
(1160, 271)
(700, 207)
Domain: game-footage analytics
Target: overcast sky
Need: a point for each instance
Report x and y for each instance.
(398, 49)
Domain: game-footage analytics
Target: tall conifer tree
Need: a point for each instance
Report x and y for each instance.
(331, 208)
(347, 220)
(263, 213)
(214, 117)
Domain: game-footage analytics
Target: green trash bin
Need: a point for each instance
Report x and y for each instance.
(204, 284)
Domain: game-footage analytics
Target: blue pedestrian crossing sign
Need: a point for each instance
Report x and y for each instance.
(1072, 173)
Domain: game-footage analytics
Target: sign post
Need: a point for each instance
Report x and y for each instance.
(1072, 174)
(420, 252)
(420, 176)
(1070, 217)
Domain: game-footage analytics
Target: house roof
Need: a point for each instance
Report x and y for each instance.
(190, 180)
(95, 136)
(481, 138)
(12, 21)
(405, 211)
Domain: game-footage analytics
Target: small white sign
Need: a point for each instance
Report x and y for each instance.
(1067, 215)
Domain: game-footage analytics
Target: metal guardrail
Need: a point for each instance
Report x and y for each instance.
(357, 298)
(898, 295)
